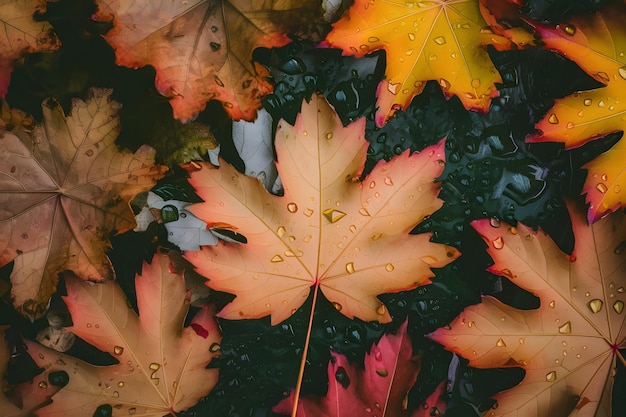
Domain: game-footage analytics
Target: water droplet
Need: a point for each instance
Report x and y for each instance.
(377, 353)
(453, 55)
(373, 39)
(308, 212)
(551, 376)
(342, 377)
(604, 77)
(307, 238)
(329, 135)
(154, 366)
(618, 306)
(292, 207)
(381, 309)
(276, 259)
(89, 325)
(572, 258)
(494, 222)
(337, 306)
(215, 47)
(409, 52)
(445, 84)
(440, 40)
(570, 125)
(389, 267)
(393, 88)
(595, 305)
(430, 260)
(43, 385)
(89, 152)
(498, 243)
(566, 328)
(622, 72)
(552, 304)
(372, 184)
(363, 212)
(268, 305)
(476, 83)
(587, 102)
(604, 177)
(382, 372)
(350, 267)
(280, 231)
(352, 228)
(58, 378)
(601, 103)
(500, 343)
(333, 215)
(620, 290)
(120, 384)
(215, 347)
(411, 36)
(601, 187)
(553, 119)
(116, 394)
(569, 29)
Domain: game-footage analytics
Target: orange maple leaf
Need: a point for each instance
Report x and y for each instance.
(438, 40)
(202, 49)
(22, 34)
(64, 188)
(329, 231)
(569, 345)
(162, 365)
(597, 43)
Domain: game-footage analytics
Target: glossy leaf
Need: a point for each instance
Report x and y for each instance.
(22, 34)
(161, 367)
(202, 49)
(64, 189)
(328, 231)
(380, 388)
(568, 346)
(424, 40)
(596, 42)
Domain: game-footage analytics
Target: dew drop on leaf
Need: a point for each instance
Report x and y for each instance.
(551, 376)
(618, 306)
(382, 372)
(43, 385)
(595, 305)
(58, 378)
(350, 267)
(292, 207)
(342, 377)
(566, 328)
(498, 243)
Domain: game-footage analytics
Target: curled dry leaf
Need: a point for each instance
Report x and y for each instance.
(64, 188)
(379, 389)
(329, 231)
(425, 40)
(21, 34)
(202, 49)
(569, 345)
(161, 367)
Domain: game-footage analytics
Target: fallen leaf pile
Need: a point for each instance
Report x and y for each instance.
(377, 208)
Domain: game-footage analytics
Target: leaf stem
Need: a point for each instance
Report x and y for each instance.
(305, 352)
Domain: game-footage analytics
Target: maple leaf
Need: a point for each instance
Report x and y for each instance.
(597, 43)
(381, 388)
(569, 345)
(21, 34)
(426, 40)
(161, 368)
(202, 49)
(64, 188)
(329, 231)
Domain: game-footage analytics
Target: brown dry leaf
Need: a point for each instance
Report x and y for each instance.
(21, 34)
(202, 49)
(64, 189)
(329, 231)
(569, 345)
(162, 365)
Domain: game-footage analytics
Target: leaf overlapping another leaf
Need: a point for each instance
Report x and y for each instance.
(202, 49)
(64, 188)
(329, 230)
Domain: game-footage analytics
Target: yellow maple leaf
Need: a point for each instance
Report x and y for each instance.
(329, 231)
(597, 43)
(440, 40)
